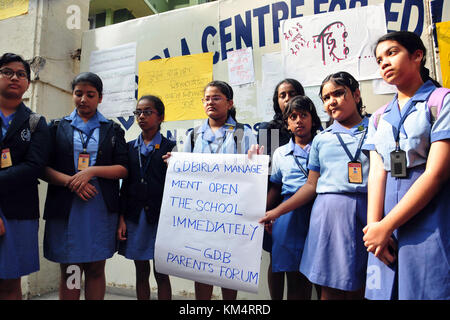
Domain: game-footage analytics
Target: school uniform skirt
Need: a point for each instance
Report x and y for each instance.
(87, 235)
(422, 269)
(141, 237)
(288, 238)
(334, 255)
(19, 249)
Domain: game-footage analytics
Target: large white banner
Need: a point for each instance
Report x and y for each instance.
(208, 230)
(315, 46)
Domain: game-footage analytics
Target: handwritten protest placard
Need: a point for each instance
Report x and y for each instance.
(443, 38)
(208, 230)
(317, 45)
(116, 67)
(13, 8)
(240, 67)
(179, 82)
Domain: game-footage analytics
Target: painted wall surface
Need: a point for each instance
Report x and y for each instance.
(47, 31)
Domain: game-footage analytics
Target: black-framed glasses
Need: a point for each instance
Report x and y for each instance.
(146, 113)
(8, 73)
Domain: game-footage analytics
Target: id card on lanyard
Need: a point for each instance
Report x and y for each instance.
(6, 158)
(84, 156)
(354, 166)
(398, 156)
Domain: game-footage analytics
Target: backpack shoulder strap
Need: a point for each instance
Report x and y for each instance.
(377, 115)
(194, 136)
(54, 126)
(238, 135)
(55, 122)
(34, 120)
(239, 125)
(435, 102)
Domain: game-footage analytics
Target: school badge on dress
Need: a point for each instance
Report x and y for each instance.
(25, 135)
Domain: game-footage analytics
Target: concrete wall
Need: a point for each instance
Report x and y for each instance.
(43, 32)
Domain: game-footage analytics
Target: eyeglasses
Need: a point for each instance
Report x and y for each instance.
(8, 73)
(146, 113)
(213, 99)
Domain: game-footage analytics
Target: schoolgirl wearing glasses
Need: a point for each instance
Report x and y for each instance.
(23, 144)
(215, 135)
(141, 196)
(220, 133)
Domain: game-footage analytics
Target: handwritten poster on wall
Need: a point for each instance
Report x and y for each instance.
(240, 67)
(13, 8)
(443, 37)
(272, 73)
(208, 230)
(116, 67)
(315, 46)
(179, 82)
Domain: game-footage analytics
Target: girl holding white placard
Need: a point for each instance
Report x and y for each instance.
(220, 133)
(334, 256)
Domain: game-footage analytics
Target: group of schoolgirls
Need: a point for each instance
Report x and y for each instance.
(82, 156)
(379, 223)
(352, 230)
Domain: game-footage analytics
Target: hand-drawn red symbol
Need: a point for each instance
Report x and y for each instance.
(333, 38)
(295, 38)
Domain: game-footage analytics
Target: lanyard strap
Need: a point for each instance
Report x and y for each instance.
(144, 168)
(358, 150)
(305, 172)
(88, 137)
(3, 124)
(224, 137)
(396, 131)
(1, 132)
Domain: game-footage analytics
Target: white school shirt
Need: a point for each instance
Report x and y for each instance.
(221, 141)
(328, 157)
(285, 170)
(416, 134)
